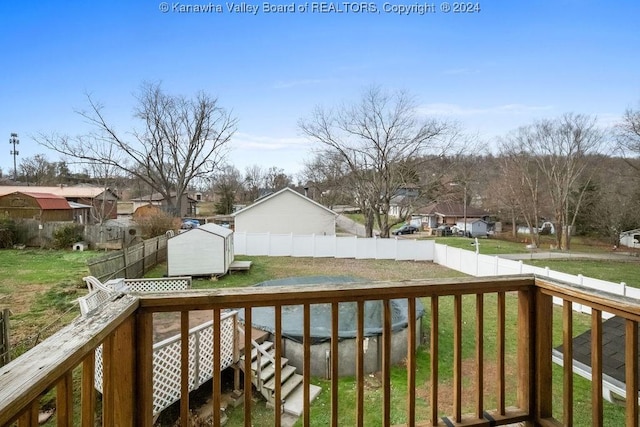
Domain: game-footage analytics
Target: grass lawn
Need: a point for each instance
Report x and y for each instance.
(39, 286)
(494, 246)
(612, 271)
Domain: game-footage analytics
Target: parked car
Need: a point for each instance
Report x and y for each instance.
(405, 229)
(444, 230)
(189, 223)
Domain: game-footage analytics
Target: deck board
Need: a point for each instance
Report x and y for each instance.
(240, 266)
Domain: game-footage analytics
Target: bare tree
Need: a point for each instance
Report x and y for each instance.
(227, 186)
(254, 182)
(521, 181)
(561, 149)
(276, 179)
(628, 135)
(326, 178)
(373, 137)
(181, 139)
(37, 170)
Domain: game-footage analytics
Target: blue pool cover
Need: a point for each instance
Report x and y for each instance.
(292, 315)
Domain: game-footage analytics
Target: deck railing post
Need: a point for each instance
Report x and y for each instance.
(119, 364)
(526, 348)
(144, 371)
(543, 347)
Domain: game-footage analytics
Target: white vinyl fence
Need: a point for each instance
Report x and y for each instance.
(400, 249)
(319, 246)
(486, 265)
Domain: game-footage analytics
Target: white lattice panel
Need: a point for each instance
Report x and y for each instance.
(97, 380)
(205, 353)
(158, 285)
(227, 339)
(166, 360)
(166, 376)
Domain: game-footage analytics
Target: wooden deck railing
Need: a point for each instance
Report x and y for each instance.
(520, 393)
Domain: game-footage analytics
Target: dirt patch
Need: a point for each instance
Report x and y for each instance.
(445, 388)
(166, 325)
(368, 269)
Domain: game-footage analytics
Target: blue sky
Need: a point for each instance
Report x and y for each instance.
(493, 70)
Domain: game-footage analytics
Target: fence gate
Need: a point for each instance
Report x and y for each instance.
(5, 355)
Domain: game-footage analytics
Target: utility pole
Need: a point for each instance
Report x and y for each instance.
(15, 141)
(464, 207)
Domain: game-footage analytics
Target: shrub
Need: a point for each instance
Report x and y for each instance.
(67, 235)
(11, 233)
(156, 223)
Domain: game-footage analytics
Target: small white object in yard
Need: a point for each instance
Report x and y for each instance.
(44, 416)
(531, 246)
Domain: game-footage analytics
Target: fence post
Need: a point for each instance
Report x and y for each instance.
(477, 264)
(125, 258)
(5, 351)
(313, 244)
(144, 258)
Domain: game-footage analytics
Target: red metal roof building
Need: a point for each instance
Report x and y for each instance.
(43, 207)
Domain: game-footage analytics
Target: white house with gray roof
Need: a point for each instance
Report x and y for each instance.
(286, 212)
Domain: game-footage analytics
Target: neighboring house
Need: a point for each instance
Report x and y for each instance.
(613, 358)
(81, 213)
(125, 209)
(403, 201)
(400, 206)
(102, 200)
(436, 214)
(146, 211)
(284, 212)
(189, 204)
(630, 238)
(42, 207)
(474, 228)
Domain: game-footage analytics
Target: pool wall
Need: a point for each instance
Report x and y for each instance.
(321, 353)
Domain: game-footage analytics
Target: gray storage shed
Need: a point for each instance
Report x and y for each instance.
(203, 251)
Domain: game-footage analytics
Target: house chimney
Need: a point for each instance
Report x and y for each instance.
(306, 191)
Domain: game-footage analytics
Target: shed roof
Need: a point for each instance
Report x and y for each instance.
(209, 228)
(75, 205)
(47, 201)
(613, 348)
(215, 229)
(630, 232)
(86, 192)
(272, 196)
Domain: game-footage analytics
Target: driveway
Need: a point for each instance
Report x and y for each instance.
(350, 226)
